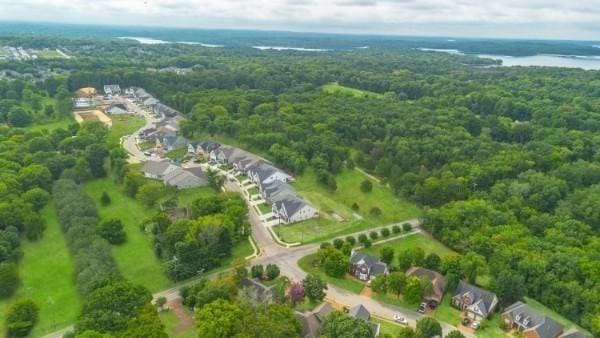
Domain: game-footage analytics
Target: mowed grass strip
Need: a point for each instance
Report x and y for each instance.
(46, 272)
(429, 245)
(393, 208)
(336, 88)
(135, 257)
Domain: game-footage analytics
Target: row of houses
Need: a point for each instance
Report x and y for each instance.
(476, 303)
(272, 182)
(145, 99)
(174, 175)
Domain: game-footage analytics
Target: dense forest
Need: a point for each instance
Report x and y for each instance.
(504, 160)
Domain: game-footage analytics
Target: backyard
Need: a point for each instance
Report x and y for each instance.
(429, 245)
(47, 278)
(123, 125)
(337, 216)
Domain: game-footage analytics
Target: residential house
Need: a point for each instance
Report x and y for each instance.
(203, 148)
(117, 109)
(111, 90)
(531, 322)
(366, 267)
(312, 321)
(247, 161)
(264, 294)
(438, 283)
(140, 94)
(265, 173)
(150, 102)
(83, 103)
(158, 169)
(184, 178)
(477, 303)
(361, 312)
(163, 110)
(172, 142)
(291, 209)
(277, 190)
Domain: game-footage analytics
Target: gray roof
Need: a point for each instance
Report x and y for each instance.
(196, 171)
(156, 167)
(264, 292)
(150, 101)
(291, 203)
(264, 170)
(310, 325)
(483, 299)
(377, 267)
(116, 110)
(323, 311)
(544, 326)
(438, 281)
(110, 89)
(277, 188)
(359, 311)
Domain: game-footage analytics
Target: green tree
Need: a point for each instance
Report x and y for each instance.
(95, 155)
(432, 261)
(335, 263)
(339, 325)
(37, 197)
(271, 271)
(413, 290)
(429, 327)
(366, 186)
(149, 194)
(455, 334)
(257, 271)
(473, 265)
(215, 180)
(380, 284)
(105, 199)
(220, 318)
(314, 288)
(112, 231)
(9, 279)
(21, 317)
(397, 282)
(19, 118)
(386, 254)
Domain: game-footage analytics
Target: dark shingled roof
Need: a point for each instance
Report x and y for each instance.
(359, 311)
(483, 297)
(544, 326)
(377, 267)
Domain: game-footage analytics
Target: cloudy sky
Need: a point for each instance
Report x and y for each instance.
(568, 19)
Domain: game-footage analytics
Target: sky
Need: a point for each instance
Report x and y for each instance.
(543, 19)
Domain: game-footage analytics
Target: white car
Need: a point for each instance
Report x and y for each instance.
(475, 325)
(400, 320)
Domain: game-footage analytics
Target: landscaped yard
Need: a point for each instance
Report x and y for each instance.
(429, 245)
(334, 88)
(177, 153)
(265, 208)
(387, 328)
(393, 208)
(135, 257)
(170, 321)
(349, 283)
(123, 125)
(253, 191)
(46, 272)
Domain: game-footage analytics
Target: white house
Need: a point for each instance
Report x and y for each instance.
(158, 169)
(265, 173)
(293, 209)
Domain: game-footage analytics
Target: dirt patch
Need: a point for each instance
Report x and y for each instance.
(366, 292)
(185, 320)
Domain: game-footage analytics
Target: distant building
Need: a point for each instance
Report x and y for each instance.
(83, 103)
(117, 109)
(112, 90)
(158, 169)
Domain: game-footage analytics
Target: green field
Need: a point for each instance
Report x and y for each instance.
(394, 209)
(47, 277)
(123, 125)
(348, 283)
(170, 321)
(429, 245)
(387, 328)
(52, 125)
(135, 257)
(49, 54)
(336, 88)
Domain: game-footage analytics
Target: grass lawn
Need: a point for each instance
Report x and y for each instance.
(429, 245)
(47, 277)
(387, 328)
(445, 312)
(135, 257)
(348, 283)
(123, 125)
(177, 153)
(394, 300)
(490, 328)
(170, 321)
(147, 145)
(265, 208)
(253, 191)
(186, 196)
(335, 88)
(394, 209)
(49, 54)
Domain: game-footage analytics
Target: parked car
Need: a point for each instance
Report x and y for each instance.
(400, 320)
(147, 153)
(475, 325)
(422, 308)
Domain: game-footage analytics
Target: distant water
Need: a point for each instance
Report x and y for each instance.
(542, 60)
(298, 49)
(149, 41)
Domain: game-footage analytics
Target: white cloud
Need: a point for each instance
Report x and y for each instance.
(502, 18)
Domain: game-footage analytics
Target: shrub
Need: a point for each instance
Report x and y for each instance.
(362, 238)
(355, 206)
(374, 235)
(366, 186)
(406, 227)
(325, 245)
(257, 271)
(367, 244)
(9, 279)
(375, 211)
(396, 229)
(337, 243)
(272, 271)
(112, 231)
(351, 240)
(385, 232)
(105, 199)
(21, 317)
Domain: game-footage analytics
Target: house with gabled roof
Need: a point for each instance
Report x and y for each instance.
(438, 284)
(276, 190)
(360, 311)
(530, 322)
(291, 209)
(157, 169)
(476, 302)
(185, 178)
(366, 267)
(265, 173)
(264, 293)
(311, 321)
(111, 90)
